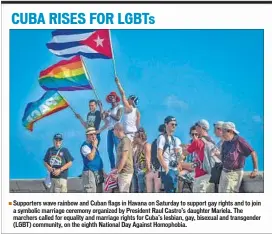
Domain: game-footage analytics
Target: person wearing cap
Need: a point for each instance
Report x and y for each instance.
(93, 174)
(234, 151)
(202, 178)
(169, 152)
(94, 118)
(58, 160)
(219, 133)
(113, 116)
(124, 163)
(131, 120)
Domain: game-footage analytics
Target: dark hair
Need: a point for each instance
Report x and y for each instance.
(192, 128)
(162, 128)
(144, 135)
(93, 101)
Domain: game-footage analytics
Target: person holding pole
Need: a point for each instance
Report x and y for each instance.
(94, 118)
(131, 120)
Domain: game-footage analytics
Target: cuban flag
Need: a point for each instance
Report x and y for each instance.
(89, 43)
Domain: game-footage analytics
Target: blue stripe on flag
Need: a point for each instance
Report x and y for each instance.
(87, 55)
(62, 46)
(71, 31)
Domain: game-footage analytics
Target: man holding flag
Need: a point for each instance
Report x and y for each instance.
(131, 119)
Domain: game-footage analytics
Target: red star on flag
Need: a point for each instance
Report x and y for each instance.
(100, 42)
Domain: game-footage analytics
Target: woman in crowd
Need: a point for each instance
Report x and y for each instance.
(142, 151)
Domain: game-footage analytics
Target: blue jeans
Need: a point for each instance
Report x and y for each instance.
(112, 141)
(170, 181)
(138, 182)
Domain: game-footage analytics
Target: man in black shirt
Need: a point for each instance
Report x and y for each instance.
(94, 118)
(57, 160)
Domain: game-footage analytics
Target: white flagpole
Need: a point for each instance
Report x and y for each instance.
(89, 78)
(113, 59)
(72, 109)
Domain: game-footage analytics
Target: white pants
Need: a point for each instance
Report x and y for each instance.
(202, 185)
(230, 182)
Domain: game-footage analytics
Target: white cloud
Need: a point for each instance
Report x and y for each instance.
(173, 102)
(257, 119)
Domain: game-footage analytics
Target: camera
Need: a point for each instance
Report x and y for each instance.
(173, 163)
(195, 164)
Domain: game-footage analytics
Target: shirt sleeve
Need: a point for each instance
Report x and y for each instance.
(126, 145)
(177, 143)
(161, 142)
(68, 156)
(245, 147)
(86, 150)
(192, 148)
(47, 155)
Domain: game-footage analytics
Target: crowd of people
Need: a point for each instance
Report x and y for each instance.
(164, 165)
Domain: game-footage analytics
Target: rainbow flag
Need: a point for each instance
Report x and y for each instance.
(66, 75)
(48, 104)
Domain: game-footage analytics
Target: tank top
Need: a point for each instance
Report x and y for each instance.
(129, 121)
(140, 161)
(112, 121)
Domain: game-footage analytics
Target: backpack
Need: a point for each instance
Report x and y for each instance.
(154, 150)
(154, 159)
(209, 158)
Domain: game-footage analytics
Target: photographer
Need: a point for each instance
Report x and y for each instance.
(169, 151)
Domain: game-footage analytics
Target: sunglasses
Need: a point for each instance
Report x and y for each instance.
(194, 134)
(226, 130)
(219, 129)
(58, 139)
(174, 124)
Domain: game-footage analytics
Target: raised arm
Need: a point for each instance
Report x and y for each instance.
(81, 120)
(128, 108)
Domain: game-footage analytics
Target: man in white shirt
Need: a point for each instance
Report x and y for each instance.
(131, 119)
(169, 152)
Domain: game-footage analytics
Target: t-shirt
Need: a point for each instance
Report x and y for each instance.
(112, 121)
(234, 153)
(94, 119)
(93, 165)
(56, 159)
(197, 147)
(169, 154)
(125, 145)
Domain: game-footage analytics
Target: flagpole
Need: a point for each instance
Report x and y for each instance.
(89, 78)
(67, 102)
(113, 59)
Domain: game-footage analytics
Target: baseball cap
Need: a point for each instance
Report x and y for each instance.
(203, 123)
(90, 130)
(230, 126)
(169, 119)
(58, 136)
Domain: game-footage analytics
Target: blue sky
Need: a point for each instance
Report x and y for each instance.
(190, 74)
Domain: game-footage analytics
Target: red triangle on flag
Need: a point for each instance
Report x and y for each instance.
(100, 42)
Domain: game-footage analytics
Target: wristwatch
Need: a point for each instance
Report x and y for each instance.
(255, 169)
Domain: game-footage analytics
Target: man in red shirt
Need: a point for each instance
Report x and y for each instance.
(201, 184)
